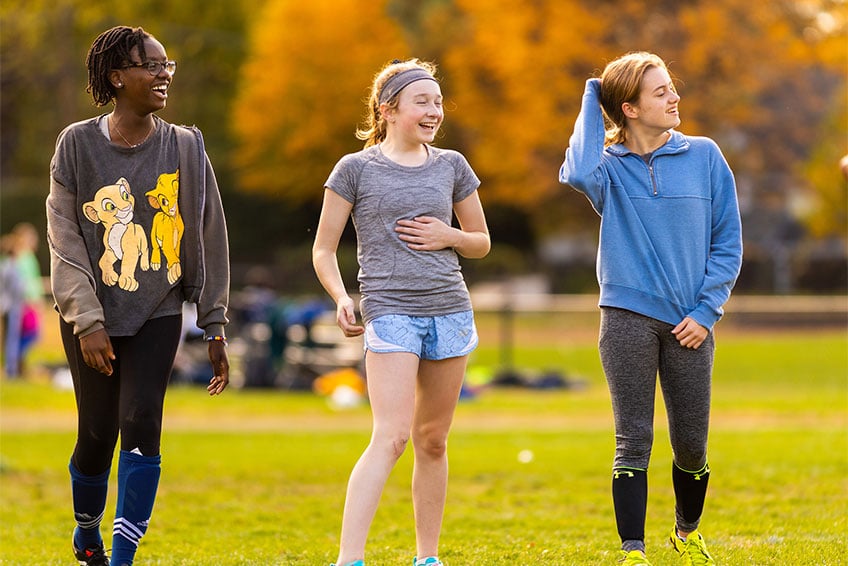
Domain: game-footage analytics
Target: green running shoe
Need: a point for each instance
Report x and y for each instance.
(633, 558)
(693, 550)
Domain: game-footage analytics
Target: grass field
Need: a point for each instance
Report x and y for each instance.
(258, 477)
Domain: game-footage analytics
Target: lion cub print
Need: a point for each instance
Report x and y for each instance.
(166, 234)
(123, 240)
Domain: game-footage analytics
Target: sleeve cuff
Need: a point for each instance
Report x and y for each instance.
(213, 330)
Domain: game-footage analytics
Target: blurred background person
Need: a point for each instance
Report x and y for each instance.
(27, 240)
(12, 298)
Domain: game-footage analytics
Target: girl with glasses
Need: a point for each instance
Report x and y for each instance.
(135, 227)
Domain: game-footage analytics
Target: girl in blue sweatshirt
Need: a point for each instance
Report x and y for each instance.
(670, 251)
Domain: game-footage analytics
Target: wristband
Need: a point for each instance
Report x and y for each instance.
(216, 339)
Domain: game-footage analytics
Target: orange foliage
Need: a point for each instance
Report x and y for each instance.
(516, 82)
(303, 88)
(756, 76)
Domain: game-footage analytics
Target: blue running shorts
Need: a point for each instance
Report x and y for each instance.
(428, 337)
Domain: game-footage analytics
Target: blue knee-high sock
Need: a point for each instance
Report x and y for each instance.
(138, 480)
(89, 494)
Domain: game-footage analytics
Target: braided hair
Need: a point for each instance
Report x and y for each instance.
(111, 50)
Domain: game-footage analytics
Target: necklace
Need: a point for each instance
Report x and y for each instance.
(130, 145)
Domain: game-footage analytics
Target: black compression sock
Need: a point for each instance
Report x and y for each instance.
(630, 499)
(690, 491)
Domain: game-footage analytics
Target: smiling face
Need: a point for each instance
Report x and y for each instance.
(144, 92)
(418, 115)
(656, 107)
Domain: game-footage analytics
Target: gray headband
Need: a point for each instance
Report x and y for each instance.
(401, 80)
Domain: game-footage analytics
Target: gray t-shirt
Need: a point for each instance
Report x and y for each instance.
(394, 279)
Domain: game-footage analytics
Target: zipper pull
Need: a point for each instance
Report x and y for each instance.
(653, 181)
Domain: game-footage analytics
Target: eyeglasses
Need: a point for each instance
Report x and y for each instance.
(155, 67)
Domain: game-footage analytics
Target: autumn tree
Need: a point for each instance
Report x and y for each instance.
(516, 79)
(824, 200)
(303, 91)
(43, 45)
(825, 184)
(751, 75)
(767, 96)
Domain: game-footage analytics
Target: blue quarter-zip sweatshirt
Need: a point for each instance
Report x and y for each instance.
(671, 235)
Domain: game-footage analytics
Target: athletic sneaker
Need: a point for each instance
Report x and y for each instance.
(354, 563)
(693, 550)
(431, 561)
(633, 558)
(95, 556)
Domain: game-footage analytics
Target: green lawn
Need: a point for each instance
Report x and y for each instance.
(258, 477)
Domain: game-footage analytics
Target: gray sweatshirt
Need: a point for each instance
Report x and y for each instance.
(134, 232)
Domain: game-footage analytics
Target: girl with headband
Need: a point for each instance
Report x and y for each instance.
(418, 326)
(670, 252)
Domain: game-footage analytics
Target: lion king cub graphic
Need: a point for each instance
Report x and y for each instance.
(123, 239)
(166, 234)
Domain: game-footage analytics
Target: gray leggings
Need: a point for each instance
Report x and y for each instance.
(634, 348)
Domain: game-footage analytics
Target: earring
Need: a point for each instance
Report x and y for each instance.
(120, 85)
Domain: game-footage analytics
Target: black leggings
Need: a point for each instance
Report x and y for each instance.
(634, 348)
(129, 401)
